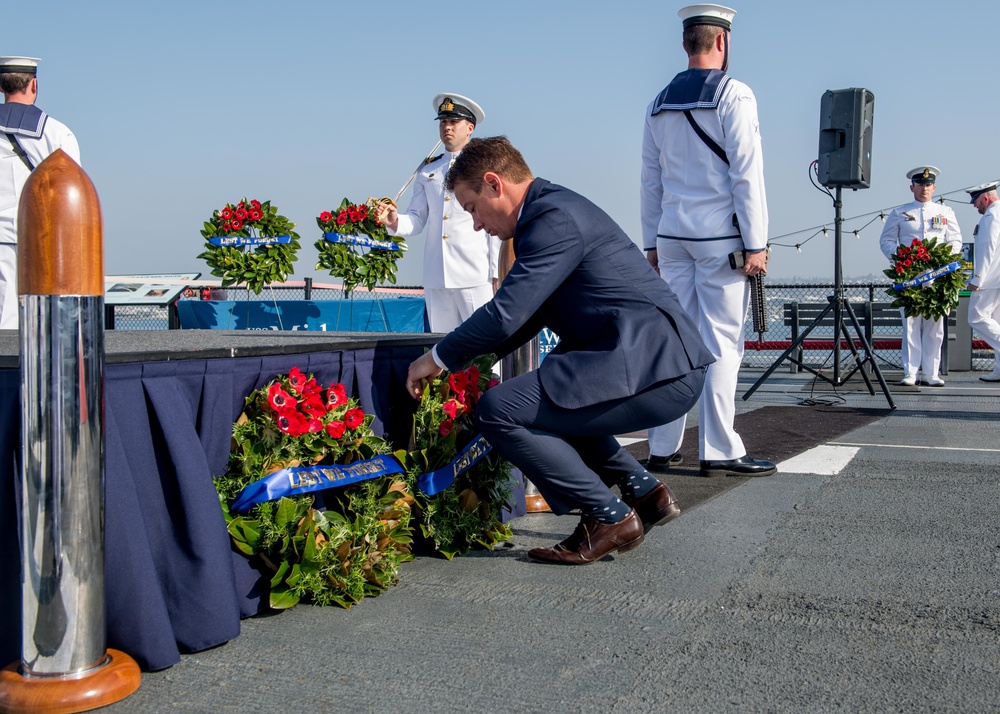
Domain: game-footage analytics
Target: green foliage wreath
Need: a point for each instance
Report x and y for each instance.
(467, 514)
(255, 265)
(339, 555)
(354, 264)
(934, 299)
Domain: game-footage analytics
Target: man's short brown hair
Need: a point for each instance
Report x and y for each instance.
(14, 82)
(698, 39)
(491, 153)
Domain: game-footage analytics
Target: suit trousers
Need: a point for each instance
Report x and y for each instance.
(716, 297)
(572, 455)
(922, 340)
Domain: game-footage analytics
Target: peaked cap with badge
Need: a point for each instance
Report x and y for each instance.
(455, 106)
(977, 191)
(924, 174)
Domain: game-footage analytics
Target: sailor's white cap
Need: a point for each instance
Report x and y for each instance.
(19, 65)
(455, 106)
(977, 191)
(923, 174)
(707, 14)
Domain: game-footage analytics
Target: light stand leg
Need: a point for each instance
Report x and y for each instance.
(839, 305)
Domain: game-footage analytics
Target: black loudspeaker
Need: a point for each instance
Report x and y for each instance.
(845, 138)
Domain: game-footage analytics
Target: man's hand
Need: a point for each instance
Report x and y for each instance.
(386, 214)
(421, 369)
(755, 263)
(653, 259)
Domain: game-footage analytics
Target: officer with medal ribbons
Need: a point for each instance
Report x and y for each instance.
(702, 200)
(923, 219)
(984, 300)
(460, 263)
(29, 135)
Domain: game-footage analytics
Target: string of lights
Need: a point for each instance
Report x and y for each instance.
(826, 228)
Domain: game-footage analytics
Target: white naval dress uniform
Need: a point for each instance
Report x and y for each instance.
(922, 338)
(39, 135)
(459, 263)
(689, 199)
(984, 303)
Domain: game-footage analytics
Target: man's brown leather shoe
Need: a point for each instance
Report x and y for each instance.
(592, 540)
(656, 507)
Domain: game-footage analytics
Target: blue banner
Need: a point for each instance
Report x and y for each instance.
(362, 240)
(239, 241)
(297, 480)
(402, 314)
(437, 481)
(927, 277)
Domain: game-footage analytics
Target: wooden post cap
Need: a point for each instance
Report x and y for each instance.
(60, 247)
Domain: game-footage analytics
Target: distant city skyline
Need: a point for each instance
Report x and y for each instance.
(181, 108)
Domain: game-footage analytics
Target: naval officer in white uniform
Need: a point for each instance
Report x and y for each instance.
(460, 263)
(27, 137)
(923, 219)
(702, 199)
(984, 302)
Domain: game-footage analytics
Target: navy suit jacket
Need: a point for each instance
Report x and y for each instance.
(621, 329)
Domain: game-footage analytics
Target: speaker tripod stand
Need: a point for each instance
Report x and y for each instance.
(840, 307)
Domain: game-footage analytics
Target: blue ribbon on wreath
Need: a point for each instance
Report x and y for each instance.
(362, 240)
(437, 481)
(231, 241)
(297, 480)
(927, 277)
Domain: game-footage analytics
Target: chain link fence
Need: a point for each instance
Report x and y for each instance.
(758, 354)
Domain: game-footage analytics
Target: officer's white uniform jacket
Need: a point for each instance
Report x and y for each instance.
(39, 135)
(455, 255)
(919, 220)
(987, 272)
(688, 192)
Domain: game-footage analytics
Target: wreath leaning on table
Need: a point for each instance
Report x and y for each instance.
(312, 497)
(356, 247)
(927, 277)
(250, 242)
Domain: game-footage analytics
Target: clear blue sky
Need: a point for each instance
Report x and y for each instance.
(180, 107)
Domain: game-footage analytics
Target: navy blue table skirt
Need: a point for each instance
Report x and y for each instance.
(173, 583)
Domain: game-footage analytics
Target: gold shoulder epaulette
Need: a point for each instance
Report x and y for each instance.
(432, 159)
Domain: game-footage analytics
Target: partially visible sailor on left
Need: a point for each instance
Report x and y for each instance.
(29, 136)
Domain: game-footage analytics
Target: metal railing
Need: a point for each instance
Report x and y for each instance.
(143, 317)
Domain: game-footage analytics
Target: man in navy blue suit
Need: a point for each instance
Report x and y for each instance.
(628, 357)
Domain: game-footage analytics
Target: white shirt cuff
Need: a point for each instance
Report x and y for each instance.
(437, 360)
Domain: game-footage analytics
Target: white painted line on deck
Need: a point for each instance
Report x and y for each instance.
(626, 440)
(915, 446)
(823, 460)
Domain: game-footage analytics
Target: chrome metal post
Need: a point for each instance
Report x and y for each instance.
(62, 488)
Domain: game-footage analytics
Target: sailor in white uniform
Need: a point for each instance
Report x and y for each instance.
(702, 199)
(984, 301)
(460, 264)
(27, 137)
(923, 219)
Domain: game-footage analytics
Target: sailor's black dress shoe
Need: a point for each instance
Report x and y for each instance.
(662, 464)
(743, 466)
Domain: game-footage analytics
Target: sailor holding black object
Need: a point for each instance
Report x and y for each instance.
(460, 263)
(27, 137)
(984, 302)
(922, 219)
(703, 199)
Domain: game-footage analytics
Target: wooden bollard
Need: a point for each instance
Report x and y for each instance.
(65, 665)
(522, 360)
